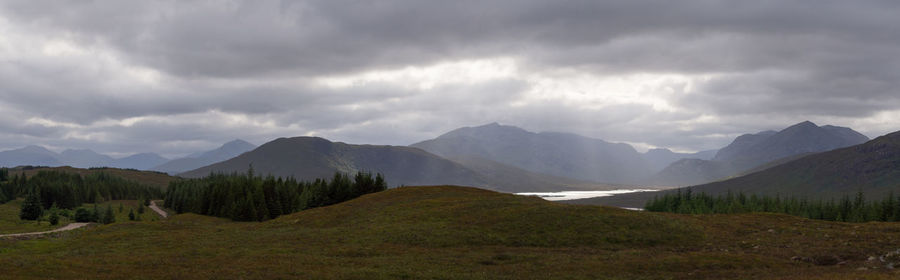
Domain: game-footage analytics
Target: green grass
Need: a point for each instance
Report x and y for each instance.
(461, 233)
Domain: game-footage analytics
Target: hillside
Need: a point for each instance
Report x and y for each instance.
(225, 152)
(463, 233)
(870, 167)
(558, 154)
(753, 151)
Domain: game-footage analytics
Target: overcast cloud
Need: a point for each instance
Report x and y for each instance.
(175, 77)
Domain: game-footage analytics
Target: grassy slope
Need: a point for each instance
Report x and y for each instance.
(150, 178)
(460, 233)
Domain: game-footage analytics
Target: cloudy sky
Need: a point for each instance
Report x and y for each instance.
(175, 77)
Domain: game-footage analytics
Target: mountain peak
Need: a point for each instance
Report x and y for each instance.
(802, 125)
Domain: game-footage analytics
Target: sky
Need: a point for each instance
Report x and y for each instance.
(175, 77)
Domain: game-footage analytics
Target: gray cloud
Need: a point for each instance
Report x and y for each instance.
(176, 76)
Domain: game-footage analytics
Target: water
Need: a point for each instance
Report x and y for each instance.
(569, 195)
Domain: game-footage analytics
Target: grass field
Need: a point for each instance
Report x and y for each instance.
(462, 233)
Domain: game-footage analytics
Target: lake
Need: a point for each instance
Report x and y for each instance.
(569, 195)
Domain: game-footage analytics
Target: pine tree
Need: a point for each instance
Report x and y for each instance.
(54, 218)
(31, 207)
(131, 214)
(109, 216)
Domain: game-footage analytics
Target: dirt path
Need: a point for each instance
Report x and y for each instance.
(158, 210)
(65, 228)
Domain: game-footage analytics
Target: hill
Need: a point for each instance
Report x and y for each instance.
(194, 161)
(463, 233)
(751, 151)
(557, 154)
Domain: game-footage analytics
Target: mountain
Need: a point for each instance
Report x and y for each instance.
(143, 161)
(197, 160)
(30, 155)
(870, 167)
(502, 177)
(557, 154)
(804, 137)
(309, 158)
(84, 158)
(660, 158)
(750, 151)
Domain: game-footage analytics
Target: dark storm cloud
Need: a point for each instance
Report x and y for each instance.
(762, 65)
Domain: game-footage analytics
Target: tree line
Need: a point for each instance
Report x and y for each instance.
(247, 197)
(70, 190)
(846, 209)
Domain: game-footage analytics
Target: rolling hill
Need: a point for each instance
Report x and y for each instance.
(194, 161)
(450, 232)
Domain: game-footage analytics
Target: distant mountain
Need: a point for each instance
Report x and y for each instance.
(558, 154)
(30, 155)
(143, 161)
(751, 151)
(309, 158)
(871, 167)
(197, 160)
(660, 158)
(84, 158)
(502, 177)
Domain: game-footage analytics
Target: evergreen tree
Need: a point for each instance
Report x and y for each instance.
(83, 215)
(54, 218)
(108, 216)
(131, 214)
(31, 207)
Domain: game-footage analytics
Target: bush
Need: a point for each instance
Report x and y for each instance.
(54, 218)
(83, 215)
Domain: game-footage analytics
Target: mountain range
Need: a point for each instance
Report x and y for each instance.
(309, 158)
(750, 151)
(85, 158)
(492, 156)
(870, 168)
